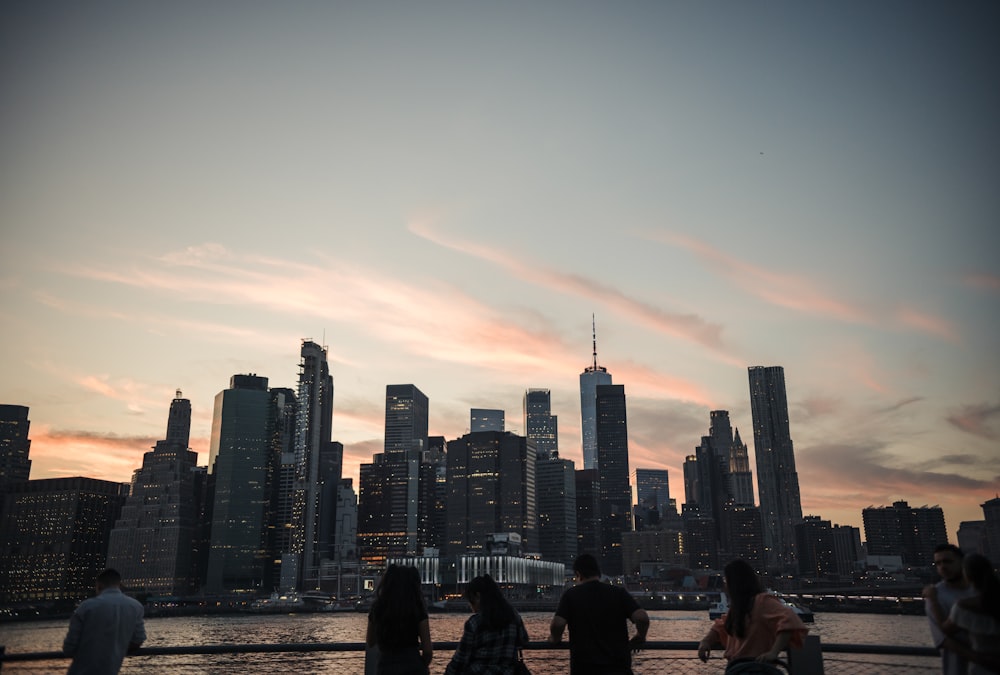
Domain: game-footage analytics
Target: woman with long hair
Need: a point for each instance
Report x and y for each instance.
(493, 635)
(398, 625)
(757, 627)
(978, 616)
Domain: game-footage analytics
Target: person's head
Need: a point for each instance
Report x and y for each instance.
(585, 567)
(480, 589)
(487, 600)
(948, 562)
(741, 580)
(109, 578)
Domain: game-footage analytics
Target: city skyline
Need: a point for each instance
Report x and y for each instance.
(444, 196)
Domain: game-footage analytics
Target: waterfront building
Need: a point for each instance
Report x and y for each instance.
(519, 577)
(991, 515)
(15, 445)
(540, 425)
(388, 499)
(664, 546)
(432, 515)
(155, 541)
(815, 548)
(743, 534)
(588, 512)
(491, 488)
(612, 462)
(972, 537)
(911, 533)
(54, 538)
(313, 429)
(847, 550)
(242, 465)
(555, 482)
(484, 419)
(592, 377)
(282, 521)
(777, 479)
(692, 483)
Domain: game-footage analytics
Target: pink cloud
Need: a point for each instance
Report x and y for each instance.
(989, 282)
(685, 326)
(927, 323)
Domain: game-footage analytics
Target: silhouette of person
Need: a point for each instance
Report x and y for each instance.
(492, 635)
(104, 628)
(939, 598)
(398, 624)
(597, 615)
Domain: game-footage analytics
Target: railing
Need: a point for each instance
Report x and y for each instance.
(541, 657)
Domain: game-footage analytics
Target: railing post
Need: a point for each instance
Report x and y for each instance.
(807, 659)
(3, 650)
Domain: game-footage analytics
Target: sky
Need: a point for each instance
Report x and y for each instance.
(446, 194)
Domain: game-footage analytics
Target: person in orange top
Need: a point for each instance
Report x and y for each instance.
(757, 627)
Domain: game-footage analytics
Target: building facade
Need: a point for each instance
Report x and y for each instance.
(540, 425)
(777, 479)
(155, 542)
(15, 467)
(911, 533)
(491, 488)
(54, 537)
(613, 466)
(555, 481)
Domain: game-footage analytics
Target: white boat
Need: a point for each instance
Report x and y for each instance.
(718, 610)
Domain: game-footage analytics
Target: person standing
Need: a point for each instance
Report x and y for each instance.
(978, 616)
(104, 628)
(597, 615)
(398, 624)
(939, 598)
(757, 627)
(492, 636)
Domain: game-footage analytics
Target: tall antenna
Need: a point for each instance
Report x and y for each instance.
(593, 326)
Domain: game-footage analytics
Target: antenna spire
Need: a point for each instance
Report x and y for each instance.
(593, 327)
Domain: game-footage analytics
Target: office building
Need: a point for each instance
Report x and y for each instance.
(540, 425)
(664, 547)
(972, 537)
(652, 491)
(592, 377)
(991, 516)
(740, 476)
(815, 547)
(155, 541)
(15, 466)
(612, 462)
(847, 550)
(484, 419)
(242, 462)
(491, 489)
(282, 522)
(742, 534)
(388, 499)
(313, 430)
(54, 538)
(555, 482)
(777, 479)
(911, 533)
(588, 512)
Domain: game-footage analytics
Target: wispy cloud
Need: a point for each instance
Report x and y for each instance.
(685, 326)
(801, 294)
(989, 282)
(429, 319)
(981, 420)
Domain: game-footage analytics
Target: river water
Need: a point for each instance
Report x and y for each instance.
(42, 636)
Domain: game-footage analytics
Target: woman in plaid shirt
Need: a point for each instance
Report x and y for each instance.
(492, 636)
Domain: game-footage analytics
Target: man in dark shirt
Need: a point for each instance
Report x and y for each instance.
(597, 615)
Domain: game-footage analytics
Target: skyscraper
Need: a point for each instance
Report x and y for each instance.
(540, 425)
(592, 377)
(777, 480)
(54, 538)
(313, 426)
(154, 542)
(14, 446)
(555, 482)
(388, 499)
(612, 460)
(244, 460)
(491, 489)
(740, 476)
(486, 419)
(909, 532)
